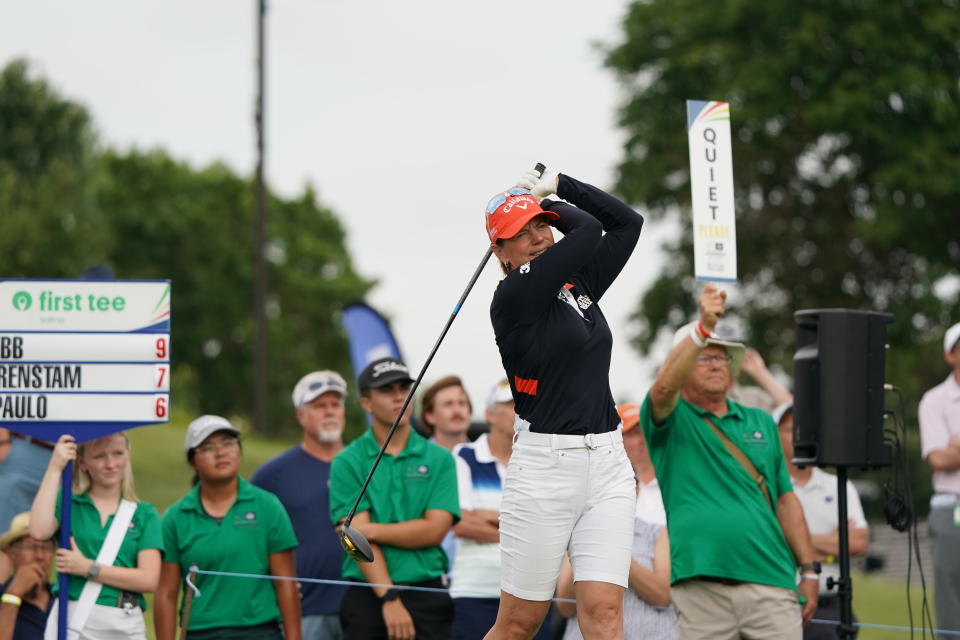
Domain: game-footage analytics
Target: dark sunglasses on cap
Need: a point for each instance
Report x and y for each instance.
(497, 200)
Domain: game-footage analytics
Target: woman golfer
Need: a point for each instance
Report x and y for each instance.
(569, 485)
(105, 588)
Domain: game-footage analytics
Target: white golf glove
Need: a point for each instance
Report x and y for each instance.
(540, 187)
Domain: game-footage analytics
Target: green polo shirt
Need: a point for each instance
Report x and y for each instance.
(720, 524)
(255, 527)
(85, 527)
(423, 476)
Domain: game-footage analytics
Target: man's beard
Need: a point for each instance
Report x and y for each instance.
(329, 436)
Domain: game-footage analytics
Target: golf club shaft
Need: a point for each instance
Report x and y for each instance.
(539, 168)
(416, 383)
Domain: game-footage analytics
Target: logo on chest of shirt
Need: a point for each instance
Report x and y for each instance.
(246, 519)
(584, 302)
(525, 267)
(754, 438)
(418, 472)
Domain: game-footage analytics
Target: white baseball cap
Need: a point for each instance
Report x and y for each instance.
(201, 429)
(316, 384)
(500, 394)
(735, 349)
(780, 411)
(951, 337)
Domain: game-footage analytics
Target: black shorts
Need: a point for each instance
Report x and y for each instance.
(432, 613)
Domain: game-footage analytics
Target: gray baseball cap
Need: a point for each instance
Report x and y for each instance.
(735, 349)
(316, 384)
(201, 429)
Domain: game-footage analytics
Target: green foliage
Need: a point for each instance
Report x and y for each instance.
(66, 206)
(49, 223)
(846, 157)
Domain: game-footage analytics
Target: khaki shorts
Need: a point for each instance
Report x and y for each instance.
(713, 611)
(573, 494)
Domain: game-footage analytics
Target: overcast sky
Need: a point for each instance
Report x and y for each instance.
(405, 116)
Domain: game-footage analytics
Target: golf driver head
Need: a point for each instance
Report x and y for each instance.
(355, 544)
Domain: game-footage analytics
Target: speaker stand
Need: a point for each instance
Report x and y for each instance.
(844, 584)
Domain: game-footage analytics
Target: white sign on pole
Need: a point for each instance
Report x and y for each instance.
(711, 185)
(88, 357)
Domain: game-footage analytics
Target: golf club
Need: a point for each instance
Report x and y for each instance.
(352, 540)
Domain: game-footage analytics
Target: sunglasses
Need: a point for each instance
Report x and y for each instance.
(497, 200)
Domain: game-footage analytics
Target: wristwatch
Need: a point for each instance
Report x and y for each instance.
(390, 595)
(94, 570)
(811, 567)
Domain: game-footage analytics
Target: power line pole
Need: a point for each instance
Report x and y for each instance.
(261, 347)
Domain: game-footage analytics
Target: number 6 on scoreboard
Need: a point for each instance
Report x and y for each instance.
(160, 406)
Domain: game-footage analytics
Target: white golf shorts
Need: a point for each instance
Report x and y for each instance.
(574, 494)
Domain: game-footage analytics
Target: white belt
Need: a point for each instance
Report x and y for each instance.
(563, 440)
(943, 500)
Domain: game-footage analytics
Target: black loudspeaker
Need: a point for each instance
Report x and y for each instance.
(838, 378)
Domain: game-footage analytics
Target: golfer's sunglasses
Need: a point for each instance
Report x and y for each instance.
(500, 198)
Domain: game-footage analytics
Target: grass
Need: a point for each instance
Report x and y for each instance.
(879, 600)
(162, 477)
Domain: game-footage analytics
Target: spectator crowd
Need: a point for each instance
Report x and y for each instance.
(731, 539)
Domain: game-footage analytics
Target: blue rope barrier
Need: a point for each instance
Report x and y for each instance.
(344, 583)
(194, 570)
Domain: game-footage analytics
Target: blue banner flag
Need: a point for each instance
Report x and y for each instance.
(369, 336)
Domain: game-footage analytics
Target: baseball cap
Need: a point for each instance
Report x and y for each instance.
(508, 211)
(951, 338)
(201, 429)
(19, 528)
(735, 348)
(780, 411)
(500, 394)
(316, 384)
(382, 372)
(629, 415)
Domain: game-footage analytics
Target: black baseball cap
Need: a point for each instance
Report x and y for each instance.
(382, 372)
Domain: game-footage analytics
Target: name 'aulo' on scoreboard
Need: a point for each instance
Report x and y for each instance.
(89, 353)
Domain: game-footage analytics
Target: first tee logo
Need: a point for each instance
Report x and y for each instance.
(22, 300)
(50, 302)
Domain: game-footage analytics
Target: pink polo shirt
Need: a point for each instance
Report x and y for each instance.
(939, 422)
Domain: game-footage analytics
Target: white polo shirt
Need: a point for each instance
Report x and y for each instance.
(939, 423)
(476, 570)
(819, 501)
(650, 503)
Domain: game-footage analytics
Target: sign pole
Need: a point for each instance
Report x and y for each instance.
(63, 579)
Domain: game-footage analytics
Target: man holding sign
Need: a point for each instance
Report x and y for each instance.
(737, 531)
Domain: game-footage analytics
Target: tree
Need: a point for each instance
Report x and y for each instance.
(66, 205)
(846, 157)
(193, 227)
(49, 223)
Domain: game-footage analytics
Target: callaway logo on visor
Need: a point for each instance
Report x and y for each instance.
(384, 367)
(497, 200)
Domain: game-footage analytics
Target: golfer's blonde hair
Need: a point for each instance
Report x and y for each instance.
(81, 478)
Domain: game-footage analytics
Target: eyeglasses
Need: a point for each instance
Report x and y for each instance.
(36, 547)
(213, 447)
(710, 359)
(500, 198)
